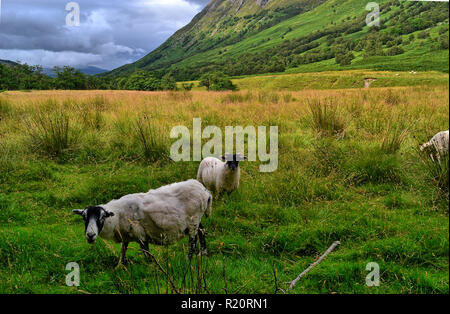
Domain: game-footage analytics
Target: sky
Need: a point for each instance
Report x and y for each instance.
(111, 33)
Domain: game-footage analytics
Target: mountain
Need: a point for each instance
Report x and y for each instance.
(220, 24)
(89, 70)
(92, 70)
(7, 62)
(242, 37)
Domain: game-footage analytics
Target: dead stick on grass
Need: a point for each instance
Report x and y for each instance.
(331, 249)
(174, 288)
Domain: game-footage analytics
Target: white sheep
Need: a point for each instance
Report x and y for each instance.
(221, 176)
(162, 217)
(437, 147)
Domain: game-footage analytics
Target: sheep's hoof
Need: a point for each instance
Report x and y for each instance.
(121, 264)
(203, 253)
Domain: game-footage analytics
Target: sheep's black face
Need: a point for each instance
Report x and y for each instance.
(94, 221)
(232, 161)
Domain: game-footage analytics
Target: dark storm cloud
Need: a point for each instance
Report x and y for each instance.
(111, 32)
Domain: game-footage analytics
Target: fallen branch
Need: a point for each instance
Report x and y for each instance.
(331, 249)
(148, 254)
(276, 279)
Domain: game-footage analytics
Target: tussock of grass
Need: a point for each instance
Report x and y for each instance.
(327, 119)
(91, 112)
(152, 143)
(237, 97)
(437, 173)
(5, 108)
(372, 165)
(140, 138)
(395, 136)
(180, 96)
(50, 131)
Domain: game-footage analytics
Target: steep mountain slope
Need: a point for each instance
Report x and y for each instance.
(242, 37)
(221, 23)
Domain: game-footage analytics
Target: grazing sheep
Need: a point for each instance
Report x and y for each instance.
(162, 217)
(437, 147)
(220, 176)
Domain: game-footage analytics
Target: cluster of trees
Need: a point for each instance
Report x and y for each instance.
(216, 81)
(26, 77)
(144, 81)
(414, 17)
(13, 77)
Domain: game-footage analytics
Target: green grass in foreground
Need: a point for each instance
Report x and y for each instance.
(381, 205)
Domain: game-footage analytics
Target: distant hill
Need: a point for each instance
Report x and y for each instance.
(89, 70)
(242, 37)
(7, 62)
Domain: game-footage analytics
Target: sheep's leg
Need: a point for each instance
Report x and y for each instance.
(202, 236)
(123, 255)
(145, 250)
(192, 245)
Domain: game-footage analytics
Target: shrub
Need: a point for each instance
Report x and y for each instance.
(187, 86)
(396, 50)
(344, 58)
(216, 81)
(143, 81)
(168, 82)
(423, 34)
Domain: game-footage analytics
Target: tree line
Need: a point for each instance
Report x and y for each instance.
(26, 77)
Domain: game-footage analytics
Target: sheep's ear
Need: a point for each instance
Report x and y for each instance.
(78, 212)
(108, 214)
(241, 157)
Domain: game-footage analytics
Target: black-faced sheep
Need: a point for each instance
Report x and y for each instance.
(162, 217)
(221, 176)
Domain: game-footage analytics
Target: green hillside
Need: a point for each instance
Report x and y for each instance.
(259, 36)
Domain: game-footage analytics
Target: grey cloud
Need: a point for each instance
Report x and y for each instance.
(111, 33)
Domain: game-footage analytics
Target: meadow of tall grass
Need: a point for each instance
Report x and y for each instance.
(349, 170)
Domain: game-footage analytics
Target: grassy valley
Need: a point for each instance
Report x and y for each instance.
(353, 175)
